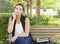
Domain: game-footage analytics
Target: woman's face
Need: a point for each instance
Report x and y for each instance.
(18, 10)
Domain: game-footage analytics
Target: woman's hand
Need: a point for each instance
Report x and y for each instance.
(14, 16)
(13, 39)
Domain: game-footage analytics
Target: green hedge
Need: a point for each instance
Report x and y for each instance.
(3, 28)
(44, 20)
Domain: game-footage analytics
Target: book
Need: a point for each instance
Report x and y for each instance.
(42, 40)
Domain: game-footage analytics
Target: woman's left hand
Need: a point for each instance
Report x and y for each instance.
(13, 39)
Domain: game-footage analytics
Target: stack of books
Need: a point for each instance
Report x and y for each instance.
(42, 40)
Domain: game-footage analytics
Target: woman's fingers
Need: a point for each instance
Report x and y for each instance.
(14, 16)
(13, 39)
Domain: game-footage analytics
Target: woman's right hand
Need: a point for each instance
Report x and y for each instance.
(14, 16)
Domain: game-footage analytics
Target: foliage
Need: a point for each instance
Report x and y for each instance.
(56, 43)
(52, 4)
(14, 2)
(5, 6)
(45, 20)
(3, 28)
(59, 12)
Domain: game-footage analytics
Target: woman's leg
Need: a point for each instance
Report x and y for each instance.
(21, 40)
(28, 40)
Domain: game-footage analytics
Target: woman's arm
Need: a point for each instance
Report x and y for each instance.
(10, 25)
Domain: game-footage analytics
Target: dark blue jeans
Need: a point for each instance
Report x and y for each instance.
(21, 40)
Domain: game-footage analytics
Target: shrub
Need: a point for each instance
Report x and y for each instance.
(3, 28)
(45, 20)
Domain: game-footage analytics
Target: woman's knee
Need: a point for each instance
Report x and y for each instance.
(20, 39)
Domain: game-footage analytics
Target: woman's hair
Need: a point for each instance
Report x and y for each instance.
(20, 5)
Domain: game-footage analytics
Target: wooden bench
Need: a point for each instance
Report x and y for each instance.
(44, 31)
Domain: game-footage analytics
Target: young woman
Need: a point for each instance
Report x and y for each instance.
(19, 26)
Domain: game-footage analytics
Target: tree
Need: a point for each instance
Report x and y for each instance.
(5, 6)
(27, 6)
(38, 7)
(30, 7)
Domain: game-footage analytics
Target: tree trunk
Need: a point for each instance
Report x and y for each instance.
(27, 7)
(30, 7)
(38, 7)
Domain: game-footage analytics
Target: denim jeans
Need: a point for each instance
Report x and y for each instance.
(21, 40)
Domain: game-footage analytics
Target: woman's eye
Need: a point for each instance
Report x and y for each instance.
(19, 9)
(16, 8)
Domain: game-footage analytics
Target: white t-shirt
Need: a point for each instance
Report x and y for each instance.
(19, 28)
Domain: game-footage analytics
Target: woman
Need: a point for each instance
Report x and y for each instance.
(19, 26)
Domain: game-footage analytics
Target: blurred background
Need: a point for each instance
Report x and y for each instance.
(40, 13)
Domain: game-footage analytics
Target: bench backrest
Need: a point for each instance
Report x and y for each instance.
(44, 31)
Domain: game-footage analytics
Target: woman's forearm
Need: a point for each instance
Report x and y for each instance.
(10, 26)
(23, 35)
